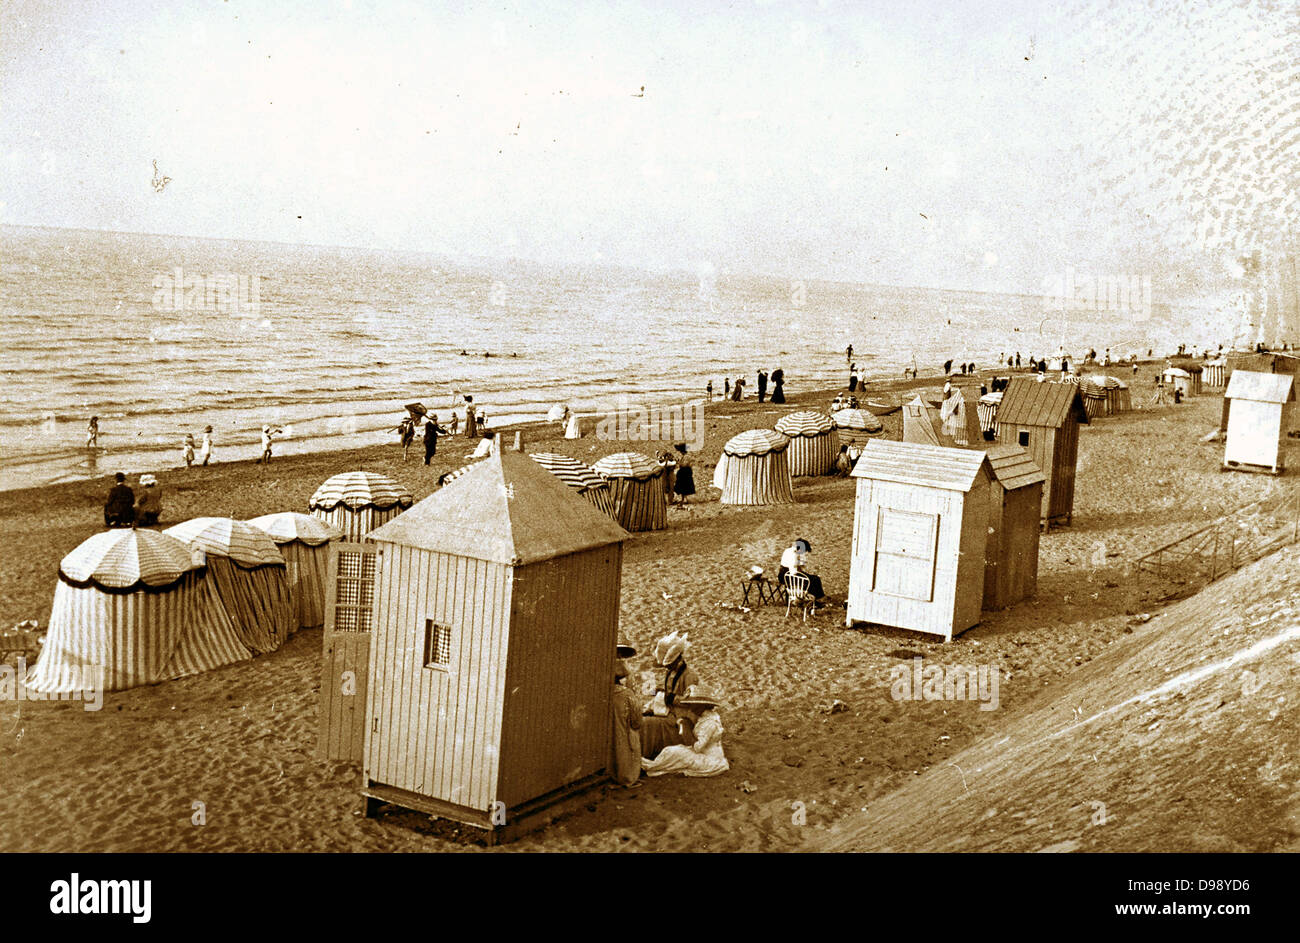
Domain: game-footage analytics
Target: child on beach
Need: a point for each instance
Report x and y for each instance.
(268, 435)
(627, 730)
(205, 451)
(150, 507)
(92, 433)
(187, 451)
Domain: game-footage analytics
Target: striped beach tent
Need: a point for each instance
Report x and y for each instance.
(249, 575)
(987, 409)
(1095, 399)
(960, 422)
(358, 502)
(856, 426)
(1213, 375)
(132, 607)
(814, 442)
(637, 490)
(1121, 400)
(581, 478)
(758, 468)
(304, 542)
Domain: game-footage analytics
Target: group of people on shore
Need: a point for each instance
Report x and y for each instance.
(678, 730)
(735, 390)
(121, 508)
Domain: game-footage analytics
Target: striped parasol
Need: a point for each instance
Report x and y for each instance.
(805, 422)
(628, 465)
(453, 475)
(569, 470)
(359, 489)
(286, 527)
(857, 419)
(239, 541)
(755, 442)
(122, 559)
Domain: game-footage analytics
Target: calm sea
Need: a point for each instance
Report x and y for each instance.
(160, 336)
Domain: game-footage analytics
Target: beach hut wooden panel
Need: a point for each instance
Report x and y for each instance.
(814, 442)
(1044, 418)
(1015, 500)
(358, 502)
(1257, 422)
(758, 470)
(495, 622)
(636, 486)
(919, 537)
(132, 607)
(345, 655)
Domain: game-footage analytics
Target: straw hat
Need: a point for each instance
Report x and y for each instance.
(699, 696)
(671, 647)
(624, 649)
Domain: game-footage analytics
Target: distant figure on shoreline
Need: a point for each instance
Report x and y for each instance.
(119, 509)
(947, 367)
(738, 389)
(778, 381)
(92, 433)
(762, 385)
(455, 423)
(187, 450)
(406, 435)
(431, 432)
(708, 388)
(726, 388)
(471, 422)
(848, 354)
(205, 451)
(268, 437)
(853, 377)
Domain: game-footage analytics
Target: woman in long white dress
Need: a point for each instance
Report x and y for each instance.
(704, 757)
(205, 450)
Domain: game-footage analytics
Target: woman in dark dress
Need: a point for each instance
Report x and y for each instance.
(778, 380)
(684, 482)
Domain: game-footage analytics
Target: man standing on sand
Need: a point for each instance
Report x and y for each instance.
(268, 434)
(848, 354)
(762, 385)
(431, 432)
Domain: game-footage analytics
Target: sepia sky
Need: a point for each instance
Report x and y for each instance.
(950, 144)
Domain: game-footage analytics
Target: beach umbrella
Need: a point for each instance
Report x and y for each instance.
(416, 410)
(359, 489)
(627, 465)
(120, 558)
(289, 526)
(556, 412)
(857, 420)
(240, 541)
(755, 442)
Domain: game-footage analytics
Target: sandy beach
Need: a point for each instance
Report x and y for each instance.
(240, 740)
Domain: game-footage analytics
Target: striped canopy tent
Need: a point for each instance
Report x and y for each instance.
(637, 490)
(987, 409)
(758, 468)
(960, 422)
(132, 607)
(304, 542)
(1214, 373)
(1096, 401)
(856, 426)
(581, 478)
(248, 572)
(358, 502)
(814, 442)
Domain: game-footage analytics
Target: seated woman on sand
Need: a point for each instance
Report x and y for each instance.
(703, 756)
(150, 506)
(795, 561)
(660, 727)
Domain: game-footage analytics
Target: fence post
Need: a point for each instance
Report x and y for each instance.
(1214, 560)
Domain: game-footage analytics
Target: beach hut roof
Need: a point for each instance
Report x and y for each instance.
(628, 465)
(506, 509)
(991, 399)
(1028, 402)
(1176, 372)
(124, 560)
(285, 527)
(913, 463)
(240, 541)
(572, 472)
(1014, 467)
(755, 442)
(805, 422)
(859, 419)
(359, 489)
(1261, 387)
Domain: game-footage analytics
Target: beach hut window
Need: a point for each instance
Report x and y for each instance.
(1023, 439)
(906, 542)
(355, 592)
(437, 644)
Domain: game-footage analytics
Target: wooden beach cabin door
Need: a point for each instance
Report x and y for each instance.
(345, 659)
(906, 544)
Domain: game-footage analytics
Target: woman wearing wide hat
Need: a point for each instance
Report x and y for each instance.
(702, 754)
